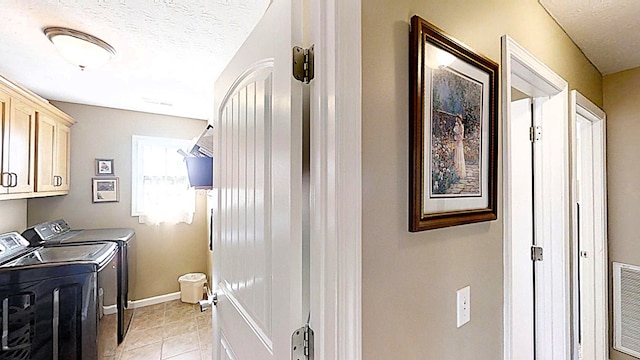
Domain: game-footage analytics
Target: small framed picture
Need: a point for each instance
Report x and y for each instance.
(105, 190)
(104, 167)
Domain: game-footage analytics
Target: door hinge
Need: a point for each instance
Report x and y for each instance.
(535, 133)
(303, 64)
(536, 253)
(302, 344)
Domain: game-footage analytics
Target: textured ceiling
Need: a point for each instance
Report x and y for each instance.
(169, 51)
(607, 31)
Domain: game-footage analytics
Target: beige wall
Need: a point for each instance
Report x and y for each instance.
(620, 92)
(13, 215)
(164, 252)
(410, 279)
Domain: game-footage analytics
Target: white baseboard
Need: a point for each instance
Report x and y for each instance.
(154, 300)
(109, 309)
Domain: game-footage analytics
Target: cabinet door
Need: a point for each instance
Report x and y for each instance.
(52, 143)
(19, 147)
(63, 158)
(46, 129)
(4, 117)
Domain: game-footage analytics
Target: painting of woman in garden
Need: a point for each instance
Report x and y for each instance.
(458, 150)
(455, 134)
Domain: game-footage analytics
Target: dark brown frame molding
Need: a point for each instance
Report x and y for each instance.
(423, 32)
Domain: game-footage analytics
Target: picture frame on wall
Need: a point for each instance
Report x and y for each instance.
(453, 131)
(104, 167)
(105, 190)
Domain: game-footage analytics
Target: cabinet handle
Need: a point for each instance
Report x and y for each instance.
(15, 179)
(57, 180)
(56, 322)
(5, 324)
(3, 182)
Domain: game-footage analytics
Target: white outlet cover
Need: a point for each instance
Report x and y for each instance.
(463, 306)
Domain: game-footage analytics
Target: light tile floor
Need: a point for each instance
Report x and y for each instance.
(171, 330)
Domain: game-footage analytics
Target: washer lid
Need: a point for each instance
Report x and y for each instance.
(109, 234)
(96, 253)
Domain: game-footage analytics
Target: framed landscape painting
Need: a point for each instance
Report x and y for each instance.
(105, 190)
(453, 131)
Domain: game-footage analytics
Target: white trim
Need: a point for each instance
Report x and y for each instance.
(336, 185)
(110, 309)
(580, 105)
(524, 72)
(586, 108)
(134, 304)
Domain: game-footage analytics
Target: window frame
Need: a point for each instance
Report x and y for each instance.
(137, 141)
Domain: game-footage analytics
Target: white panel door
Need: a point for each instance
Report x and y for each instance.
(537, 221)
(522, 270)
(258, 177)
(590, 232)
(586, 260)
(551, 209)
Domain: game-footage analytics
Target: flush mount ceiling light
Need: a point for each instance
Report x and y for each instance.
(80, 49)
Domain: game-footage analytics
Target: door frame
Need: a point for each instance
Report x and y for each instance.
(524, 72)
(336, 184)
(580, 105)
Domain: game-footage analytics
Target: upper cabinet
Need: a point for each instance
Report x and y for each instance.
(52, 137)
(34, 145)
(5, 180)
(18, 148)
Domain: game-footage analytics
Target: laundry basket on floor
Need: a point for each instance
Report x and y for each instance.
(192, 287)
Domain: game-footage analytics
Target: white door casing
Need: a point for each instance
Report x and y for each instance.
(589, 230)
(525, 73)
(336, 184)
(258, 177)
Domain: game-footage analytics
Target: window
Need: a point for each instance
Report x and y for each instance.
(160, 187)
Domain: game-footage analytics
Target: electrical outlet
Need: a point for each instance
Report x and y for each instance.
(464, 305)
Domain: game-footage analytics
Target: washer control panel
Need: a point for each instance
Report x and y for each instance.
(51, 229)
(11, 244)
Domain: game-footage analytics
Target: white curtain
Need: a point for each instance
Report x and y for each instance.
(165, 195)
